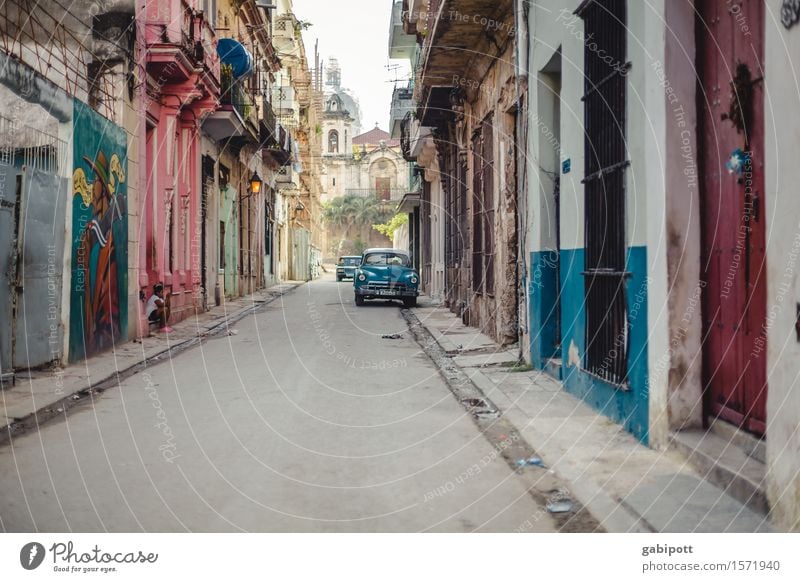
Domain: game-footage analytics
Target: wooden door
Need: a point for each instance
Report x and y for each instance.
(731, 140)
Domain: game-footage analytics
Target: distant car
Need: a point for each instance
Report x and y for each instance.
(386, 274)
(346, 267)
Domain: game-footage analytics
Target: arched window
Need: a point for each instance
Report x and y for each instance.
(333, 142)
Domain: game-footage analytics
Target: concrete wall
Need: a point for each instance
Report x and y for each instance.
(552, 25)
(782, 216)
(676, 349)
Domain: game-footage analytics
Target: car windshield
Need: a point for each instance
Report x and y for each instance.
(351, 261)
(387, 259)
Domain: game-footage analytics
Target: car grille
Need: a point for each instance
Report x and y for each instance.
(378, 286)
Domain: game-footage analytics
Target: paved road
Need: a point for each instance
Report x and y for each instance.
(304, 420)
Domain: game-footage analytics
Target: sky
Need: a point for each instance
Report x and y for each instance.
(357, 33)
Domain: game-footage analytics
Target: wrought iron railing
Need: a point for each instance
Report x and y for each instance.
(393, 194)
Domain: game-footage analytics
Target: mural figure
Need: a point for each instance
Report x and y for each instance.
(97, 267)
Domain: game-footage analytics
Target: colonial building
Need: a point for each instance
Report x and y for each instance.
(69, 181)
(463, 133)
(298, 99)
(611, 174)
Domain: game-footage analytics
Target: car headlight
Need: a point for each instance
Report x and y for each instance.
(362, 277)
(414, 280)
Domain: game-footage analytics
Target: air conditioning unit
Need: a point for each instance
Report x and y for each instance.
(266, 4)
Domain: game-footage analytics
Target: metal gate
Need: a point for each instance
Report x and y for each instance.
(32, 230)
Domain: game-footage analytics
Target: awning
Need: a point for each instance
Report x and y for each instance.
(235, 54)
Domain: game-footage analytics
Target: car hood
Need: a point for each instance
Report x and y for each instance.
(385, 272)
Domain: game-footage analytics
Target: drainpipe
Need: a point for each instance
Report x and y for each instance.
(522, 52)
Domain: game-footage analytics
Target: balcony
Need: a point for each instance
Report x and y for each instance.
(401, 44)
(412, 12)
(287, 181)
(284, 29)
(451, 44)
(413, 137)
(267, 125)
(175, 44)
(386, 194)
(402, 105)
(236, 117)
(281, 151)
(284, 101)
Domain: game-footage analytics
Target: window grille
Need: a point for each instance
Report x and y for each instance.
(604, 215)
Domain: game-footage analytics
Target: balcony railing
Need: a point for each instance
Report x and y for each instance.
(389, 194)
(236, 96)
(268, 124)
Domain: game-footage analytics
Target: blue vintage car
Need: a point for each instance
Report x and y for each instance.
(346, 267)
(386, 274)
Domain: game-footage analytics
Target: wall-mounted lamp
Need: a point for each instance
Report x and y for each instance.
(255, 183)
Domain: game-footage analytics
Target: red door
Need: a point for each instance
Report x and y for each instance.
(730, 63)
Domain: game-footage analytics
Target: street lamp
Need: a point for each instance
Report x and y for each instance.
(255, 183)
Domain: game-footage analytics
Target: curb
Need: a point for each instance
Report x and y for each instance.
(611, 513)
(61, 407)
(499, 431)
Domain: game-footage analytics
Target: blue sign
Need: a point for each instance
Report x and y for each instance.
(566, 166)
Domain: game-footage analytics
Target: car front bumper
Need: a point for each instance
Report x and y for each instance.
(373, 292)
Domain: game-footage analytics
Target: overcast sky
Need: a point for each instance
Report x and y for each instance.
(357, 33)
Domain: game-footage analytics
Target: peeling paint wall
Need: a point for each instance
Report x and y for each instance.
(495, 94)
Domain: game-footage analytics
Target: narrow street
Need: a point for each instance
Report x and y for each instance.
(303, 418)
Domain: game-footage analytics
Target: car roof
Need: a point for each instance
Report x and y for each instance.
(379, 250)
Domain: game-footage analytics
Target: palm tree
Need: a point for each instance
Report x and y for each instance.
(355, 213)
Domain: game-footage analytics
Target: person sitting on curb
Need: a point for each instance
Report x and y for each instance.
(157, 310)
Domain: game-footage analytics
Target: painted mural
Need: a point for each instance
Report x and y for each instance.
(99, 282)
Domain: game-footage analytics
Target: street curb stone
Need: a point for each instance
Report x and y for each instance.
(60, 408)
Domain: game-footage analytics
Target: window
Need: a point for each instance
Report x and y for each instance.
(333, 142)
(604, 190)
(388, 259)
(383, 188)
(483, 208)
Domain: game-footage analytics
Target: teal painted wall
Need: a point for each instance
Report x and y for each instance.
(543, 293)
(627, 407)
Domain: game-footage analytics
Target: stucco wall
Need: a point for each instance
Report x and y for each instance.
(553, 25)
(782, 217)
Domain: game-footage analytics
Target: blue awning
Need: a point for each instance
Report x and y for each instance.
(235, 54)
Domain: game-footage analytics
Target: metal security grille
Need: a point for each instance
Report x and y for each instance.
(606, 159)
(477, 213)
(483, 209)
(455, 191)
(488, 206)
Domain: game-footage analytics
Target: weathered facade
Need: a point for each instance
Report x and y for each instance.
(468, 99)
(66, 137)
(620, 197)
(146, 131)
(298, 101)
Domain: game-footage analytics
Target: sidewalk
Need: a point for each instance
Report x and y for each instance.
(39, 395)
(627, 486)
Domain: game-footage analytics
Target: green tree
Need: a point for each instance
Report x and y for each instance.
(388, 229)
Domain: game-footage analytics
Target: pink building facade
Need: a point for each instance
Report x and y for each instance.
(182, 86)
